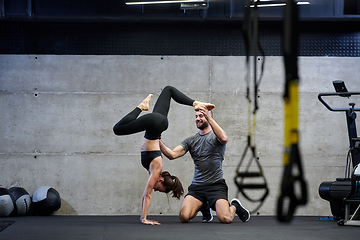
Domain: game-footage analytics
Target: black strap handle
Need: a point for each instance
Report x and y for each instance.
(289, 180)
(291, 151)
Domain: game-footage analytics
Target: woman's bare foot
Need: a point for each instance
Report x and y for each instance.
(209, 106)
(144, 105)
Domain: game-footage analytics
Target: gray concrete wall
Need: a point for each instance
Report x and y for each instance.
(57, 114)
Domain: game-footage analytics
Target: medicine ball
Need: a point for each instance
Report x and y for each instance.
(46, 201)
(22, 200)
(6, 202)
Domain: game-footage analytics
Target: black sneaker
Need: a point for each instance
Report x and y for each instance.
(242, 212)
(206, 212)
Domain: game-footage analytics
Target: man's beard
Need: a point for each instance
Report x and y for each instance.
(203, 125)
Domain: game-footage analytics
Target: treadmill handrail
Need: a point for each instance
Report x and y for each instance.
(341, 94)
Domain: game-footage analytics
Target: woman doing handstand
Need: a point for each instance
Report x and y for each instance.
(154, 124)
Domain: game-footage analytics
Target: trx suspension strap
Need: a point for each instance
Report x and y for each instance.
(288, 199)
(245, 173)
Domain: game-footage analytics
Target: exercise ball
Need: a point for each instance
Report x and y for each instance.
(22, 200)
(6, 202)
(46, 201)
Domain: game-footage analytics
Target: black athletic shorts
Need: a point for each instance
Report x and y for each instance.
(148, 156)
(211, 192)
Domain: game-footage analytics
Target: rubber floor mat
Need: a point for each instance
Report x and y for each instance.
(5, 224)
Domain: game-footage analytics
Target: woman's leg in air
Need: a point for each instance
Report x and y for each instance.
(130, 123)
(162, 104)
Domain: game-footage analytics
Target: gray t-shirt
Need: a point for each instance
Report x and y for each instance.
(208, 154)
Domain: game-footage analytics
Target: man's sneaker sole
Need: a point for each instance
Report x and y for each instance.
(242, 217)
(207, 221)
(208, 209)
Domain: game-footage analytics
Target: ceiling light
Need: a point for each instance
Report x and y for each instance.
(165, 1)
(267, 3)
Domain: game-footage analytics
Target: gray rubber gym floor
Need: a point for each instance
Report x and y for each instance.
(129, 227)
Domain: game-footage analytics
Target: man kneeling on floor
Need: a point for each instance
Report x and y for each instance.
(208, 188)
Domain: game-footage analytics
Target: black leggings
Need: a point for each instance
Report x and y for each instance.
(153, 123)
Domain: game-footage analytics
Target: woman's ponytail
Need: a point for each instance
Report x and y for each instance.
(172, 183)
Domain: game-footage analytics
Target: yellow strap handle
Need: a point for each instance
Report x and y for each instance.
(291, 121)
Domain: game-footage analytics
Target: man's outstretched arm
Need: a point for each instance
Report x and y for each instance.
(172, 153)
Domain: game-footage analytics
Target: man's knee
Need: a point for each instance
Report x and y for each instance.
(185, 218)
(189, 208)
(225, 218)
(223, 212)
